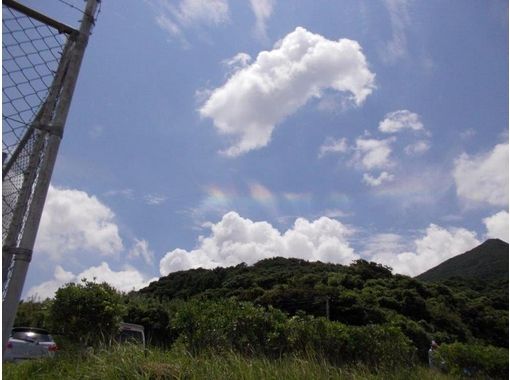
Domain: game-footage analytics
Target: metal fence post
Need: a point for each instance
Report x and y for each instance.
(50, 130)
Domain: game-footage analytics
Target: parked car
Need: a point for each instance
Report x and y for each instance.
(132, 333)
(29, 343)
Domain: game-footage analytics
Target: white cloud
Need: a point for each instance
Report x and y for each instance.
(235, 239)
(154, 199)
(173, 18)
(262, 9)
(126, 193)
(335, 103)
(399, 120)
(212, 12)
(47, 289)
(468, 134)
(141, 249)
(497, 226)
(124, 280)
(396, 48)
(372, 153)
(483, 178)
(438, 245)
(377, 181)
(383, 244)
(300, 67)
(333, 146)
(422, 185)
(335, 213)
(236, 63)
(417, 148)
(165, 22)
(72, 220)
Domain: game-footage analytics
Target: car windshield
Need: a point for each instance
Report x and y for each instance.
(130, 336)
(31, 336)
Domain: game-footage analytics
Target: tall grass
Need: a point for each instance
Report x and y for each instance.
(127, 362)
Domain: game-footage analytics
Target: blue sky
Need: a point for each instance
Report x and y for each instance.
(207, 133)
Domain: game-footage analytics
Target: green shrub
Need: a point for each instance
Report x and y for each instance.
(88, 313)
(374, 345)
(474, 360)
(203, 325)
(242, 327)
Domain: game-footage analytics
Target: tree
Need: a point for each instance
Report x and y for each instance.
(88, 313)
(33, 313)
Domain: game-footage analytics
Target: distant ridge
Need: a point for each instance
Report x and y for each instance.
(488, 261)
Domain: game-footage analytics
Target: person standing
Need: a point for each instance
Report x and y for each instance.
(433, 355)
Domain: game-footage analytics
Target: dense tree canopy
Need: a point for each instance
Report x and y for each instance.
(364, 293)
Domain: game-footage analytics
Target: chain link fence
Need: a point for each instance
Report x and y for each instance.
(40, 66)
(31, 53)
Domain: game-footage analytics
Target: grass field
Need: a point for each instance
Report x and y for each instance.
(131, 363)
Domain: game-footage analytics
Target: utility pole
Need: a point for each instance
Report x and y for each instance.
(47, 131)
(327, 307)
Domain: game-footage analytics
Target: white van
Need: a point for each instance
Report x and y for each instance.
(132, 333)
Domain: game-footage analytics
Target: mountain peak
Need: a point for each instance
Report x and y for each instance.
(487, 261)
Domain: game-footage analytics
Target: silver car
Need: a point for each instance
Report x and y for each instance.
(29, 343)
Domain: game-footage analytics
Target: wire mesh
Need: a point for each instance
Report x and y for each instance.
(31, 54)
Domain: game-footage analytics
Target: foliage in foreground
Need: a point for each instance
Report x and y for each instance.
(472, 360)
(243, 327)
(88, 312)
(277, 310)
(471, 311)
(128, 363)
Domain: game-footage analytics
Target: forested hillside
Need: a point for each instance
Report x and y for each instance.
(359, 314)
(488, 261)
(473, 310)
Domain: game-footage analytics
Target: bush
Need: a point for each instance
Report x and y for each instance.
(87, 313)
(375, 345)
(242, 327)
(228, 325)
(474, 360)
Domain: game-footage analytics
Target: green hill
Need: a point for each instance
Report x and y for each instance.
(488, 262)
(361, 294)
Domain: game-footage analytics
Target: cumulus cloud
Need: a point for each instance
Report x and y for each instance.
(377, 181)
(497, 226)
(300, 67)
(372, 153)
(124, 280)
(237, 62)
(383, 244)
(417, 148)
(72, 220)
(438, 245)
(333, 146)
(483, 178)
(234, 240)
(262, 9)
(400, 120)
(366, 154)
